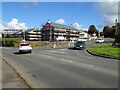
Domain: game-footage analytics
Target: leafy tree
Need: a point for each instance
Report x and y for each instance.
(109, 31)
(92, 30)
(113, 31)
(106, 30)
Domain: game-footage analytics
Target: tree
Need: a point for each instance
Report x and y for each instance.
(106, 31)
(92, 30)
(113, 31)
(109, 31)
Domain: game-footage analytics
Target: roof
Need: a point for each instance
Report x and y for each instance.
(63, 26)
(29, 30)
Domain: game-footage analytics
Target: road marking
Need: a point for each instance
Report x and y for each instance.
(91, 65)
(57, 52)
(66, 60)
(47, 56)
(63, 49)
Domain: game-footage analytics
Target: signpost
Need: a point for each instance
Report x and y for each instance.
(94, 34)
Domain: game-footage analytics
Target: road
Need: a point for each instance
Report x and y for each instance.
(64, 68)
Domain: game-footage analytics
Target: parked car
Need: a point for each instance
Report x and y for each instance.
(80, 45)
(25, 47)
(100, 40)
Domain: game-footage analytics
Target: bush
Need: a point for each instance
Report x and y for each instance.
(10, 42)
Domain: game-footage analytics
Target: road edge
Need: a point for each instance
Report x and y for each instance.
(20, 75)
(94, 54)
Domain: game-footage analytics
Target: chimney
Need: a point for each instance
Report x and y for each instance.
(48, 21)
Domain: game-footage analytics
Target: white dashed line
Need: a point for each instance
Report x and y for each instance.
(47, 56)
(66, 60)
(57, 52)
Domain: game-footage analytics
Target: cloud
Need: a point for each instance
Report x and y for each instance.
(77, 26)
(2, 22)
(60, 21)
(109, 12)
(14, 24)
(1, 27)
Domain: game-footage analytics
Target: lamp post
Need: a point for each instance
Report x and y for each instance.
(116, 27)
(50, 35)
(3, 33)
(94, 34)
(24, 34)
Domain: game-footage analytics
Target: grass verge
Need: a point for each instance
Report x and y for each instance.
(105, 49)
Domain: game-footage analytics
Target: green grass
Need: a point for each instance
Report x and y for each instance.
(106, 49)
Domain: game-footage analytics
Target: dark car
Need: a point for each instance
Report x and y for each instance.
(79, 45)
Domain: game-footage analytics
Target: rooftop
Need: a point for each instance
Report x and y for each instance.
(63, 26)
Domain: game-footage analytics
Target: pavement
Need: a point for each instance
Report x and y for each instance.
(10, 79)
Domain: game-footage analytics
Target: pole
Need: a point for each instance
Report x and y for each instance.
(54, 46)
(50, 35)
(4, 38)
(23, 34)
(116, 27)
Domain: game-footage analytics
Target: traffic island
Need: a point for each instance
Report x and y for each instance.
(105, 50)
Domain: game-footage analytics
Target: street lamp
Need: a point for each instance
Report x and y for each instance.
(50, 35)
(94, 34)
(116, 27)
(24, 34)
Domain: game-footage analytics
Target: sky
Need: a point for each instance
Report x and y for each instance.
(80, 15)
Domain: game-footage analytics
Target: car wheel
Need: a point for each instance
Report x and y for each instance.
(30, 51)
(74, 48)
(20, 51)
(82, 48)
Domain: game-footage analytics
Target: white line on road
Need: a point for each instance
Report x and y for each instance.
(66, 60)
(47, 56)
(57, 52)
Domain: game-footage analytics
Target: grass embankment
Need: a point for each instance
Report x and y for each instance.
(14, 42)
(106, 49)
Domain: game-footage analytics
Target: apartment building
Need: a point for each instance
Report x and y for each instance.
(58, 32)
(33, 35)
(30, 34)
(10, 33)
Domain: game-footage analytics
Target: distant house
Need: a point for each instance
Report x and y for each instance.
(83, 36)
(58, 32)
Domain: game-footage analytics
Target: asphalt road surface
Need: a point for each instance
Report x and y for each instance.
(64, 68)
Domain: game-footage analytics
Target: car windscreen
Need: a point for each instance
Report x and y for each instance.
(100, 39)
(24, 44)
(80, 42)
